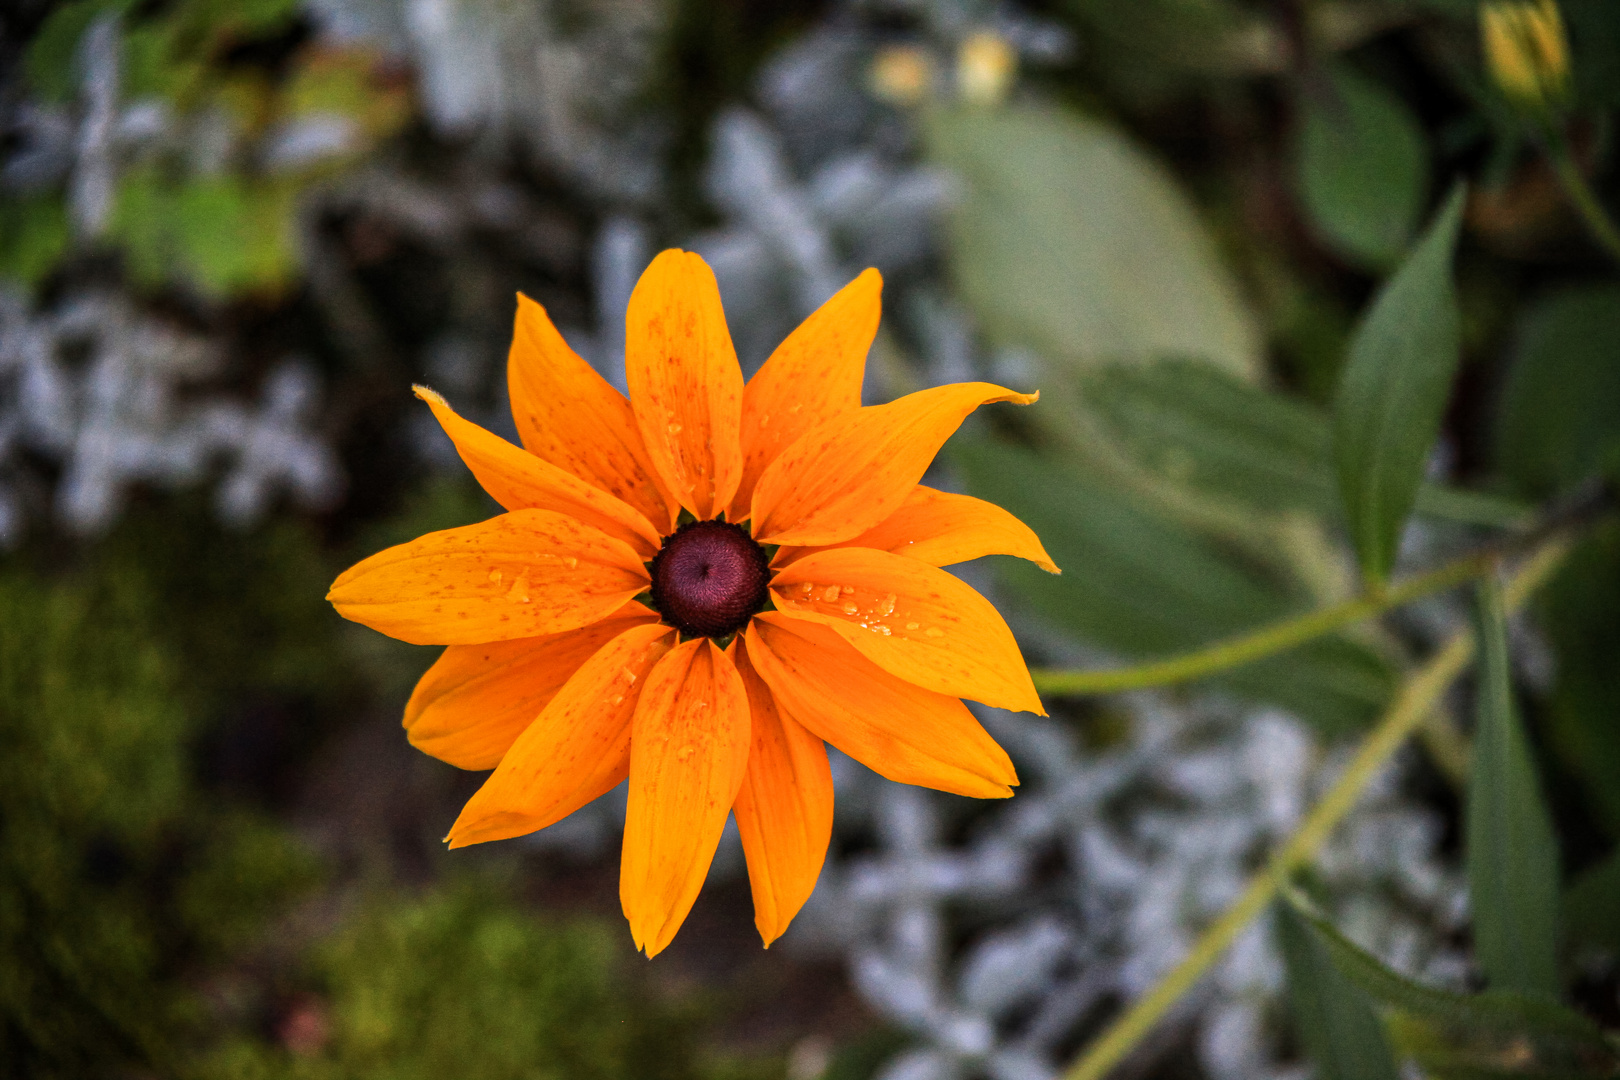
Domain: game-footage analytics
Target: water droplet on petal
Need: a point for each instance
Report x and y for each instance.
(849, 607)
(571, 561)
(934, 631)
(830, 593)
(887, 607)
(619, 700)
(674, 429)
(912, 625)
(684, 752)
(495, 576)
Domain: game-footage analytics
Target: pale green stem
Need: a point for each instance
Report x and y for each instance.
(1582, 197)
(1417, 697)
(1279, 637)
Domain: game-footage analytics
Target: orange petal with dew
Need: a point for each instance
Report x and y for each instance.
(688, 754)
(913, 620)
(475, 700)
(847, 474)
(685, 386)
(896, 729)
(577, 748)
(522, 574)
(784, 808)
(942, 528)
(519, 480)
(814, 375)
(570, 416)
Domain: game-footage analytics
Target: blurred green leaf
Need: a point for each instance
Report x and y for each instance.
(1394, 390)
(1560, 411)
(1141, 584)
(1190, 423)
(1592, 905)
(1512, 849)
(221, 235)
(33, 237)
(1071, 241)
(1342, 1036)
(1580, 610)
(52, 60)
(1450, 1034)
(1594, 39)
(1362, 167)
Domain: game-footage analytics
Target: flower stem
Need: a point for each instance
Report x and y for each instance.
(1582, 197)
(1264, 642)
(1418, 696)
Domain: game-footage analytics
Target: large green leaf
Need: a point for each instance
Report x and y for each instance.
(1512, 849)
(1190, 423)
(1454, 1035)
(1070, 241)
(1361, 166)
(1393, 392)
(1580, 610)
(1592, 905)
(1141, 584)
(1560, 418)
(1334, 1019)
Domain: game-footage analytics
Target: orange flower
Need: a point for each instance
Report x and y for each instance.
(593, 635)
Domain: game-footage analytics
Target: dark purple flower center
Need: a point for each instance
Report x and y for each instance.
(709, 579)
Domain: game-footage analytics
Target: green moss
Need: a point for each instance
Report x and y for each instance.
(117, 874)
(463, 982)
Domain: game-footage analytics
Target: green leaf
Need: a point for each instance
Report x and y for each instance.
(1560, 412)
(1071, 241)
(1190, 423)
(1550, 1034)
(1582, 620)
(33, 237)
(1141, 584)
(1592, 905)
(1512, 849)
(1333, 1017)
(221, 235)
(1393, 392)
(1361, 166)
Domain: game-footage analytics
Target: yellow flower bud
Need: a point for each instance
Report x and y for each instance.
(1526, 51)
(986, 64)
(902, 74)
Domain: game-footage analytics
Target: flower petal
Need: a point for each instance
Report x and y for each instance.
(784, 808)
(577, 748)
(471, 705)
(913, 620)
(688, 753)
(522, 574)
(901, 731)
(847, 474)
(569, 415)
(685, 386)
(942, 528)
(814, 375)
(519, 480)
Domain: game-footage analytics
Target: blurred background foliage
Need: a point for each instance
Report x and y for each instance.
(232, 234)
